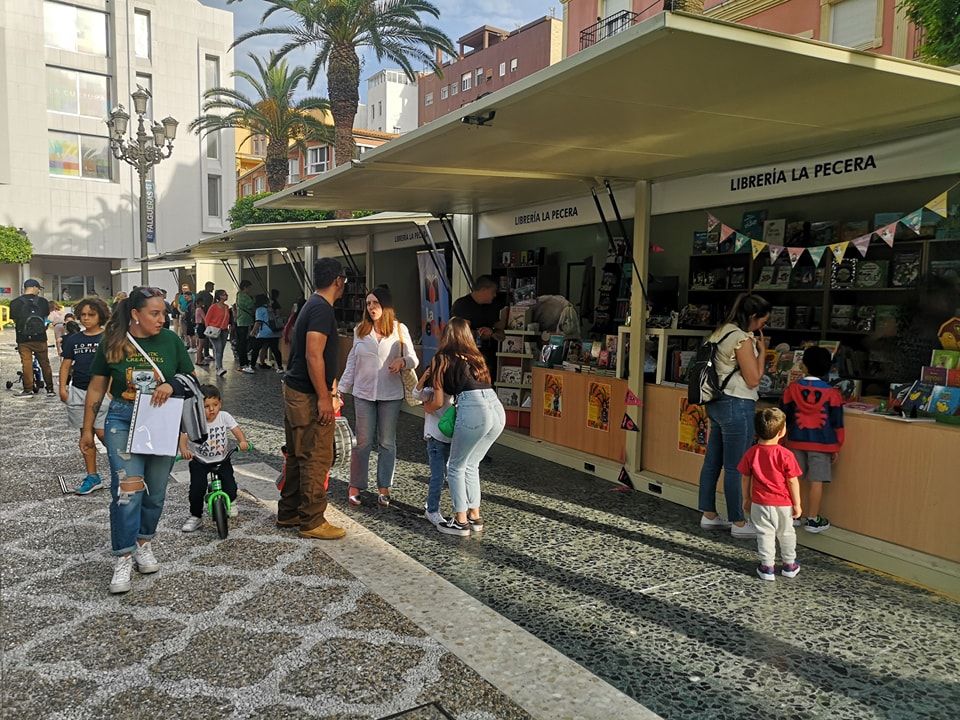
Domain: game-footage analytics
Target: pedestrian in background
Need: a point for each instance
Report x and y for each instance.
(218, 316)
(29, 314)
(266, 332)
(246, 316)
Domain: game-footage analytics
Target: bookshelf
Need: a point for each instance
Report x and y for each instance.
(350, 308)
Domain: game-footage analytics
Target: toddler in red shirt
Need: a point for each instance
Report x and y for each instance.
(771, 494)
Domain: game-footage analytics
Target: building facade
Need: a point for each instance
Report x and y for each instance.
(489, 59)
(391, 103)
(63, 66)
(879, 26)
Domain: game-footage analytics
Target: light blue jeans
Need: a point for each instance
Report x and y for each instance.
(731, 434)
(438, 453)
(219, 343)
(375, 419)
(133, 515)
(480, 420)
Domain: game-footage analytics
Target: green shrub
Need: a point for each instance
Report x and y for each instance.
(244, 213)
(14, 247)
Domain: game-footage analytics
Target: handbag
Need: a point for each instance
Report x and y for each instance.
(448, 421)
(409, 379)
(211, 331)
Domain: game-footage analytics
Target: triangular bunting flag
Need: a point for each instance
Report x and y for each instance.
(631, 399)
(795, 254)
(938, 205)
(775, 251)
(887, 233)
(839, 250)
(654, 248)
(862, 243)
(758, 247)
(628, 424)
(914, 220)
(712, 222)
(817, 254)
(624, 478)
(725, 232)
(741, 242)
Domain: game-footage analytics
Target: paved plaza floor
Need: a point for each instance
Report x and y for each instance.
(266, 625)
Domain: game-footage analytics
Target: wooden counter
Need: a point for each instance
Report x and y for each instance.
(570, 430)
(894, 481)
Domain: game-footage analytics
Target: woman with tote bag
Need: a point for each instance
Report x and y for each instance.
(217, 322)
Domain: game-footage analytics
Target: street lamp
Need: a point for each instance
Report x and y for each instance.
(143, 152)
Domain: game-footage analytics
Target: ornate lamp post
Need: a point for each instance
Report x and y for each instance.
(142, 152)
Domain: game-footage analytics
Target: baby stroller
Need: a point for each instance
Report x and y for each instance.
(37, 377)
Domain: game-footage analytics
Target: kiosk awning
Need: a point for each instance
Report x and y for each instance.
(676, 95)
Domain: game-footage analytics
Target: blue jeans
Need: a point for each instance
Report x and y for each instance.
(219, 343)
(438, 453)
(375, 419)
(480, 420)
(133, 515)
(731, 435)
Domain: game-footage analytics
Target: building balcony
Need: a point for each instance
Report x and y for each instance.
(608, 26)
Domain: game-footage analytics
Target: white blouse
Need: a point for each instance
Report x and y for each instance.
(367, 375)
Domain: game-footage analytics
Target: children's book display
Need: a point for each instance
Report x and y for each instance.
(592, 356)
(936, 394)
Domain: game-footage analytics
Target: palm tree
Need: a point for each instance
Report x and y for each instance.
(337, 29)
(272, 113)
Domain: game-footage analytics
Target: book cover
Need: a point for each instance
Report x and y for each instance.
(885, 318)
(737, 276)
(781, 278)
(778, 317)
(853, 229)
(752, 223)
(510, 397)
(849, 388)
(766, 277)
(774, 231)
(953, 377)
(843, 311)
(511, 374)
(820, 277)
(771, 362)
(918, 398)
(803, 277)
(517, 317)
(595, 349)
(946, 270)
(824, 232)
(527, 378)
(700, 242)
(843, 274)
(802, 317)
(947, 359)
(512, 344)
(795, 234)
(933, 375)
(610, 343)
(905, 269)
(871, 273)
(898, 394)
(944, 400)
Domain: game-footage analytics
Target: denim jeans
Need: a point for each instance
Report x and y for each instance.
(219, 344)
(375, 419)
(438, 453)
(480, 420)
(133, 515)
(731, 434)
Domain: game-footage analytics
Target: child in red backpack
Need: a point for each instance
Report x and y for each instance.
(814, 412)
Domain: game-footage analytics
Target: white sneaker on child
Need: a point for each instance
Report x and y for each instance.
(233, 509)
(192, 524)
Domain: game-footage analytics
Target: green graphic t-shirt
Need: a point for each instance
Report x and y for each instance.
(134, 372)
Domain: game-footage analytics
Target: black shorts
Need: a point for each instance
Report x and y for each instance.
(191, 328)
(200, 328)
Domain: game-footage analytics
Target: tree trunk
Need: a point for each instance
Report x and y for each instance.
(343, 79)
(277, 165)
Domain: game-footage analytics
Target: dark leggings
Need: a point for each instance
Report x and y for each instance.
(198, 484)
(274, 346)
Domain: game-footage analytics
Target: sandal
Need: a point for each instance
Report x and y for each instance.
(383, 500)
(353, 497)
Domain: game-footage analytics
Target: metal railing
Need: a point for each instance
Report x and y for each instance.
(610, 25)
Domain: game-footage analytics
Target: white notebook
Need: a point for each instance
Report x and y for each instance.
(155, 430)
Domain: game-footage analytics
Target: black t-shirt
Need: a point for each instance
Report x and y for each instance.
(81, 349)
(24, 307)
(480, 316)
(205, 298)
(316, 316)
(458, 378)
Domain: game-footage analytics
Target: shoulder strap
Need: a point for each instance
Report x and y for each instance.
(146, 357)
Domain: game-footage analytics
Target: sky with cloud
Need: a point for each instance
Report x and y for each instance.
(457, 18)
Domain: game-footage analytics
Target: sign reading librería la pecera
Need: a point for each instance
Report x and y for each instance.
(799, 173)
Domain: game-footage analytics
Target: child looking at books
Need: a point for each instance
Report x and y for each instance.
(814, 411)
(213, 450)
(438, 445)
(771, 494)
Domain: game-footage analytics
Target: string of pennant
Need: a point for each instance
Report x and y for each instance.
(912, 220)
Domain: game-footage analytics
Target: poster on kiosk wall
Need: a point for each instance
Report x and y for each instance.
(434, 303)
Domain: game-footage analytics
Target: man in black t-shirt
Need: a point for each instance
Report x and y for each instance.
(310, 400)
(481, 309)
(29, 313)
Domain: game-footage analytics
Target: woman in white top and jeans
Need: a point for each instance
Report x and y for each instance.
(740, 362)
(382, 348)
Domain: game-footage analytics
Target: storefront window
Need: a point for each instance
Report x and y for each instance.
(63, 152)
(77, 93)
(96, 157)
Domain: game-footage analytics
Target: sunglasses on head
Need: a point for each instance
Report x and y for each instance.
(149, 292)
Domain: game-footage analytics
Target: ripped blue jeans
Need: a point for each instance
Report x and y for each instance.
(133, 515)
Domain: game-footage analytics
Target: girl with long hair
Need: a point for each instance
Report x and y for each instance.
(741, 355)
(138, 483)
(381, 350)
(459, 369)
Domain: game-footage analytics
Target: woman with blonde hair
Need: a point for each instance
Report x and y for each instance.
(459, 370)
(381, 350)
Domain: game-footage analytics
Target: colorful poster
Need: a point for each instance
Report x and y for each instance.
(598, 406)
(434, 303)
(692, 428)
(553, 395)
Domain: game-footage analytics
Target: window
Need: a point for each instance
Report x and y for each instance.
(454, 88)
(259, 184)
(245, 190)
(428, 99)
(77, 93)
(513, 65)
(478, 77)
(212, 142)
(260, 145)
(72, 155)
(444, 92)
(146, 82)
(854, 23)
(503, 69)
(317, 160)
(293, 171)
(75, 29)
(211, 72)
(380, 107)
(466, 81)
(141, 33)
(213, 196)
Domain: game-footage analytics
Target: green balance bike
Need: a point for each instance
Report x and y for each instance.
(216, 500)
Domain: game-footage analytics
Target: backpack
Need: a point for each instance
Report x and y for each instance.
(272, 323)
(35, 324)
(703, 381)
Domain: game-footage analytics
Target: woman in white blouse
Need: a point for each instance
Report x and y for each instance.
(382, 348)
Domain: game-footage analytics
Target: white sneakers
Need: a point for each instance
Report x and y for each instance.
(192, 524)
(747, 530)
(145, 560)
(121, 575)
(234, 510)
(434, 517)
(717, 523)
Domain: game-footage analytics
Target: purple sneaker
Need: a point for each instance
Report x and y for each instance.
(790, 570)
(766, 572)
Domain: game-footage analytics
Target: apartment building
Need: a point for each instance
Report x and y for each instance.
(63, 66)
(391, 103)
(489, 59)
(879, 26)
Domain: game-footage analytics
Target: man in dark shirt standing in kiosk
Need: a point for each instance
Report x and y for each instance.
(481, 310)
(310, 399)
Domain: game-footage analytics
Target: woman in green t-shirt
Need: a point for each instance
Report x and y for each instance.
(138, 483)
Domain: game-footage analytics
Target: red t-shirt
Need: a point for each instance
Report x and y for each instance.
(770, 466)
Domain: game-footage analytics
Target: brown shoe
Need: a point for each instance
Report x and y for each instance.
(288, 523)
(324, 531)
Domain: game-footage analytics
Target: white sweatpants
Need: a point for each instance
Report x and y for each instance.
(774, 524)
